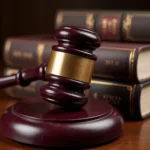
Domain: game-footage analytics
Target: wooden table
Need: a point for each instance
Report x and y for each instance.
(136, 135)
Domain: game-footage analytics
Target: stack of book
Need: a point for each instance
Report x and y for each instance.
(121, 73)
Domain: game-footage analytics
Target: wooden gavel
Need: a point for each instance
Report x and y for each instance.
(68, 72)
(69, 68)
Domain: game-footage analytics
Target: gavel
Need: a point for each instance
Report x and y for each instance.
(68, 72)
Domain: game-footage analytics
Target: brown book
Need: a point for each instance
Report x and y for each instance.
(123, 62)
(131, 99)
(27, 51)
(117, 61)
(84, 19)
(109, 24)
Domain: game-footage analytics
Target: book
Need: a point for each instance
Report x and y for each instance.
(109, 24)
(132, 100)
(27, 51)
(115, 60)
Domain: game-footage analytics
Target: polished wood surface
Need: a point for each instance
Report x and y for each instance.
(136, 135)
(33, 118)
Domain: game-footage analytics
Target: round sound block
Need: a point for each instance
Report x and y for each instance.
(37, 122)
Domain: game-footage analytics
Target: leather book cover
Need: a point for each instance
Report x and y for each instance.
(127, 98)
(27, 52)
(120, 61)
(79, 18)
(115, 61)
(111, 25)
(108, 25)
(135, 26)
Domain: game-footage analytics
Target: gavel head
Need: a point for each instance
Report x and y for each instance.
(70, 67)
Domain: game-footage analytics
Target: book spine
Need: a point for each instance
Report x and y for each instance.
(110, 25)
(18, 52)
(106, 24)
(135, 26)
(84, 19)
(125, 97)
(122, 96)
(116, 63)
(113, 62)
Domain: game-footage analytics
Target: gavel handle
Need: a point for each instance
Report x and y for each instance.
(24, 77)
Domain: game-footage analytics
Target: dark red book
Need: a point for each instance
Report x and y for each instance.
(131, 99)
(109, 24)
(118, 61)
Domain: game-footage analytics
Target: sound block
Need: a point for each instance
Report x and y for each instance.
(39, 123)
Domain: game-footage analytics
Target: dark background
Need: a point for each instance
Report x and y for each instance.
(22, 17)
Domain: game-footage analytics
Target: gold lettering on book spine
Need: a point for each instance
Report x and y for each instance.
(59, 19)
(109, 62)
(90, 21)
(113, 99)
(40, 51)
(127, 26)
(130, 88)
(104, 25)
(131, 62)
(114, 25)
(117, 63)
(11, 71)
(127, 23)
(22, 55)
(7, 52)
(109, 25)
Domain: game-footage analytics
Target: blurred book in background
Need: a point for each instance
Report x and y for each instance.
(111, 25)
(121, 75)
